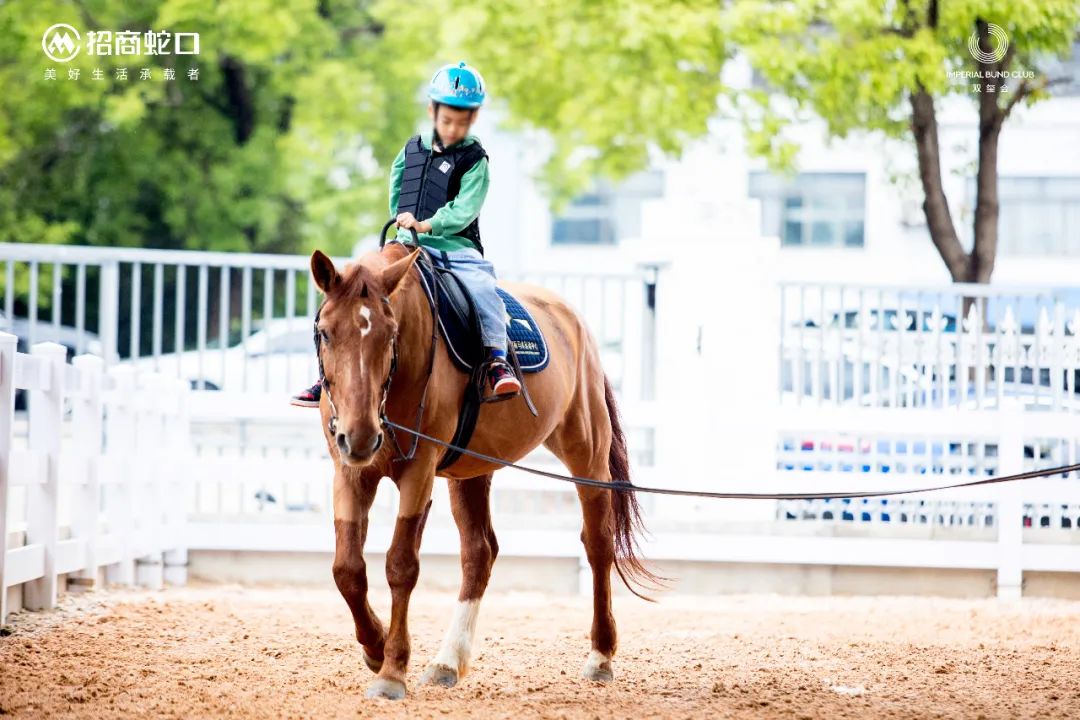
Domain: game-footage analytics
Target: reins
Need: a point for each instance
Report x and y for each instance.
(622, 485)
(616, 484)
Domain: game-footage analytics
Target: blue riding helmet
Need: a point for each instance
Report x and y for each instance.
(458, 85)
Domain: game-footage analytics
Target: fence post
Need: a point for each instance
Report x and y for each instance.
(86, 422)
(8, 349)
(46, 426)
(176, 557)
(648, 333)
(1010, 516)
(109, 310)
(148, 482)
(119, 433)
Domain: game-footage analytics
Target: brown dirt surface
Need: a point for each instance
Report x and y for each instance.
(228, 651)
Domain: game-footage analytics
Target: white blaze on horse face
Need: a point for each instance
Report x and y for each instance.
(456, 650)
(365, 312)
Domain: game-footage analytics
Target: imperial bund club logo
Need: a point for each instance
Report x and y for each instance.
(61, 42)
(998, 39)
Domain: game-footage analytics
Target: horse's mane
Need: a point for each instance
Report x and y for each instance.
(364, 271)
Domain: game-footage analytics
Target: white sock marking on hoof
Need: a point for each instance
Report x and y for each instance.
(456, 649)
(598, 667)
(443, 675)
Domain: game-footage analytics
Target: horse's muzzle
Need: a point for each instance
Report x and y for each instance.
(354, 452)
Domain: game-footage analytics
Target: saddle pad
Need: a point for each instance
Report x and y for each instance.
(461, 338)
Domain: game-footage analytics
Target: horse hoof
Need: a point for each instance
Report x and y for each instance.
(598, 668)
(373, 665)
(443, 675)
(385, 688)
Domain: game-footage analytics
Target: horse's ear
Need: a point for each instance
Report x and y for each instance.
(323, 270)
(396, 271)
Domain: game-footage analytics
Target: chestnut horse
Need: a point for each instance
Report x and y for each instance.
(376, 302)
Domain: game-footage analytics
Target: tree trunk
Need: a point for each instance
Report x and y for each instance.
(991, 118)
(936, 206)
(981, 265)
(241, 101)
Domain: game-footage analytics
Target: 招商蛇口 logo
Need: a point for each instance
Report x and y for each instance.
(61, 42)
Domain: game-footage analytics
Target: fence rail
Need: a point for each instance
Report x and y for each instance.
(242, 321)
(100, 493)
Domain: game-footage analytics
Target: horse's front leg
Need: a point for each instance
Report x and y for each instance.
(402, 570)
(354, 492)
(470, 503)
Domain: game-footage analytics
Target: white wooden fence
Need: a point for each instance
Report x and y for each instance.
(97, 495)
(729, 379)
(896, 387)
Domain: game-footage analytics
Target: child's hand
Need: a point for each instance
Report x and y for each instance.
(406, 220)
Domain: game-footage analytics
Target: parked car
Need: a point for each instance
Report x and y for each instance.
(278, 357)
(891, 316)
(853, 454)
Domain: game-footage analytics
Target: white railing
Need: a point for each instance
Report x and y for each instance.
(894, 387)
(822, 443)
(919, 347)
(730, 380)
(100, 493)
(242, 322)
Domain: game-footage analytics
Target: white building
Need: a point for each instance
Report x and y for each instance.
(841, 219)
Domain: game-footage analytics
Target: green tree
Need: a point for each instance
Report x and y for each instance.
(610, 81)
(280, 145)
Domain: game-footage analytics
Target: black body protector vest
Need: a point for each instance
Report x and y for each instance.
(432, 179)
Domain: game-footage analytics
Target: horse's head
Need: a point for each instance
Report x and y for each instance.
(356, 331)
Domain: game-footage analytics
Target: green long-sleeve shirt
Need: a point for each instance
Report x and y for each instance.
(454, 216)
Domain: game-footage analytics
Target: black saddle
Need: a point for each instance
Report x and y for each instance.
(459, 326)
(459, 322)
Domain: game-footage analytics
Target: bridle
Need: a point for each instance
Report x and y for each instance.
(388, 426)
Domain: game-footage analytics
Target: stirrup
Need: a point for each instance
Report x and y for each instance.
(488, 395)
(491, 397)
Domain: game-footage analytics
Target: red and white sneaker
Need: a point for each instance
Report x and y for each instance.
(309, 397)
(502, 378)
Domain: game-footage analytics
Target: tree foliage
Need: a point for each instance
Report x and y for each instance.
(279, 145)
(282, 143)
(611, 81)
(885, 67)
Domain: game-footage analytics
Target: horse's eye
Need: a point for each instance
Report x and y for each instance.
(323, 336)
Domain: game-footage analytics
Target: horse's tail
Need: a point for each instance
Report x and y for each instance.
(626, 511)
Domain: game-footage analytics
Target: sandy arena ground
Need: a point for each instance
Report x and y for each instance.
(226, 651)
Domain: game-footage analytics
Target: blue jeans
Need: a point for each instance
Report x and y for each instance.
(478, 275)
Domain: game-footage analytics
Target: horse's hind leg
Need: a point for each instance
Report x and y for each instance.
(577, 450)
(597, 535)
(354, 492)
(469, 501)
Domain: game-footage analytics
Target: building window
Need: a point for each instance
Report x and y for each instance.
(1065, 72)
(1036, 215)
(812, 209)
(588, 220)
(607, 213)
